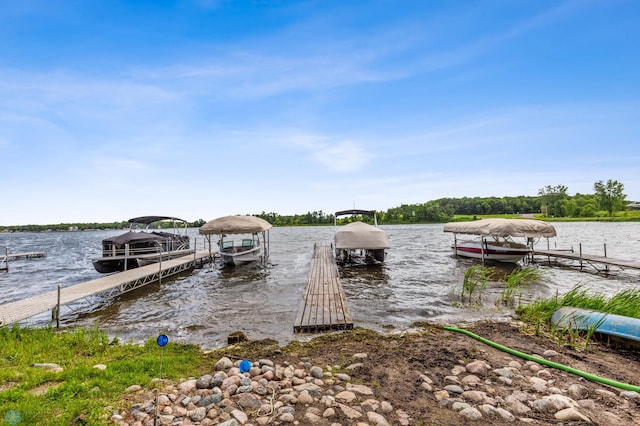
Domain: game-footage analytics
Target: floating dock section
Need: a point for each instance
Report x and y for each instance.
(6, 257)
(324, 305)
(601, 264)
(105, 287)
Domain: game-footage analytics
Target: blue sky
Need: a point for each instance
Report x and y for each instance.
(203, 108)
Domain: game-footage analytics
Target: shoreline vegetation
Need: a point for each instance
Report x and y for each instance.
(438, 211)
(85, 376)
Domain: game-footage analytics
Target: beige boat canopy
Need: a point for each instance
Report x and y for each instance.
(497, 227)
(235, 225)
(360, 235)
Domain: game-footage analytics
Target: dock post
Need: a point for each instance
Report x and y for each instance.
(57, 308)
(580, 246)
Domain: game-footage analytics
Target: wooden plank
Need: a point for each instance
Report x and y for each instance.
(324, 305)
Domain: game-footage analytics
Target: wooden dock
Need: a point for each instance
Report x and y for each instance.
(106, 287)
(6, 257)
(324, 305)
(599, 263)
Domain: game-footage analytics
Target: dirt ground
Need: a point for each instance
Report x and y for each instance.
(394, 363)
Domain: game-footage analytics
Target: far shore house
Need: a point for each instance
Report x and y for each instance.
(633, 206)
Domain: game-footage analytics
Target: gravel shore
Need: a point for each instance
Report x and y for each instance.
(365, 389)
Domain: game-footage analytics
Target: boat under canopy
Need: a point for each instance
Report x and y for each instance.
(248, 249)
(138, 248)
(495, 238)
(359, 236)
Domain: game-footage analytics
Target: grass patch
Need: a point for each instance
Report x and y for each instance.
(44, 396)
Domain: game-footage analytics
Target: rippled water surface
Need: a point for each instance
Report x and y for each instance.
(418, 282)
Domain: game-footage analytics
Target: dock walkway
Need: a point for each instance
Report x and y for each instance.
(108, 286)
(324, 305)
(6, 257)
(595, 261)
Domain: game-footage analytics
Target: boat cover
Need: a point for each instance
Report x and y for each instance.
(498, 227)
(235, 225)
(134, 237)
(360, 235)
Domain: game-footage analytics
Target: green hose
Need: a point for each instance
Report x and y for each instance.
(543, 361)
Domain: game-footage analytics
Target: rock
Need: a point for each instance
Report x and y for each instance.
(329, 412)
(316, 372)
(504, 372)
(343, 377)
(360, 389)
(223, 363)
(204, 381)
(454, 389)
(346, 396)
(311, 418)
(479, 368)
(571, 414)
(349, 412)
(187, 386)
(505, 415)
(198, 414)
(470, 380)
(240, 416)
(577, 391)
(377, 419)
(471, 413)
(305, 398)
(630, 395)
(552, 403)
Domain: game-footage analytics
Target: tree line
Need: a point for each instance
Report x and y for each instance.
(551, 201)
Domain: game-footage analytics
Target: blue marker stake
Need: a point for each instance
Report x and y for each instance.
(162, 341)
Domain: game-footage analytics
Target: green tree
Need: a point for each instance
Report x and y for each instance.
(609, 196)
(552, 197)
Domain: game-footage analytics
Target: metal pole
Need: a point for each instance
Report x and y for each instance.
(160, 272)
(455, 244)
(606, 266)
(58, 309)
(580, 247)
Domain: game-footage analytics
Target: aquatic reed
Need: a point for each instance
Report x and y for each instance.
(476, 279)
(515, 282)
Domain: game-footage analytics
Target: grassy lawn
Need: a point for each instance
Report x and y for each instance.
(31, 394)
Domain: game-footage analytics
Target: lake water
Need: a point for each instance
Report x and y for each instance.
(420, 281)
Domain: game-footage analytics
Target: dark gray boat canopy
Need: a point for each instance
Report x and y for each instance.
(371, 213)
